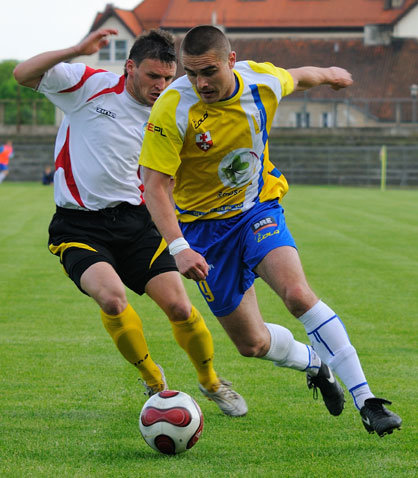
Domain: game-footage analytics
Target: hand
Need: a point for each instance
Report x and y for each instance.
(339, 78)
(95, 41)
(192, 265)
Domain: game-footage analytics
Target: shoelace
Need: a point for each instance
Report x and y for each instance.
(311, 384)
(229, 392)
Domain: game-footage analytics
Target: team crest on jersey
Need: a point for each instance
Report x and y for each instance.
(204, 141)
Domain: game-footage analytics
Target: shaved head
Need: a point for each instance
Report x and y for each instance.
(201, 39)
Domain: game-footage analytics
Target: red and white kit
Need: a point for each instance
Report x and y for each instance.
(96, 167)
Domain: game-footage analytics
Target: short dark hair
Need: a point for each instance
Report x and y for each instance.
(155, 44)
(203, 38)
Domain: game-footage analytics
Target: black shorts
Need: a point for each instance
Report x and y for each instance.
(123, 236)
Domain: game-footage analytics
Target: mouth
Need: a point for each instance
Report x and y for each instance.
(207, 93)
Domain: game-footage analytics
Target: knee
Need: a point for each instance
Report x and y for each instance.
(299, 299)
(254, 348)
(178, 311)
(113, 304)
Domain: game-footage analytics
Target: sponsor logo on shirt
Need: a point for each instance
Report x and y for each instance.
(228, 194)
(197, 123)
(263, 224)
(204, 141)
(102, 111)
(153, 128)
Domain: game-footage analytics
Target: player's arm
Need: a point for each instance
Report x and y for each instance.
(309, 76)
(159, 203)
(29, 73)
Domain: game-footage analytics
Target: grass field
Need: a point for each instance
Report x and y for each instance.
(69, 403)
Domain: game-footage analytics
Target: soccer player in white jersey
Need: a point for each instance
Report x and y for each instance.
(102, 231)
(209, 130)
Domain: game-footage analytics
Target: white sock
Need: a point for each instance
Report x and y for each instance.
(2, 176)
(285, 351)
(331, 342)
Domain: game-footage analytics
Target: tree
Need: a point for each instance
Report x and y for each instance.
(21, 104)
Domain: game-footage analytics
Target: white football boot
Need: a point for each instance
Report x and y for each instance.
(228, 400)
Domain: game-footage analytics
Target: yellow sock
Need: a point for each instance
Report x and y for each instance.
(195, 339)
(128, 335)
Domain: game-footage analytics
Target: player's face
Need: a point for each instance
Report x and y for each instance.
(146, 81)
(211, 75)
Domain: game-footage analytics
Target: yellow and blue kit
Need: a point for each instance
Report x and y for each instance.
(218, 154)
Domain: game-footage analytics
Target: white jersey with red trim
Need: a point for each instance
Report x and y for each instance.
(99, 140)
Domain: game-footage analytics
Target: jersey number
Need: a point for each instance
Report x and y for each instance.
(205, 290)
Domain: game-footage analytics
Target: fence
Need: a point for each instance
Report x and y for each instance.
(19, 112)
(347, 165)
(302, 112)
(307, 112)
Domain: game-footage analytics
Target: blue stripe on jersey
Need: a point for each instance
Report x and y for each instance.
(275, 172)
(262, 110)
(263, 128)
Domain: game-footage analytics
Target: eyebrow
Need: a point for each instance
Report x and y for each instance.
(203, 70)
(151, 73)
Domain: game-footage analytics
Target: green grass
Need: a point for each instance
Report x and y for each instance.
(69, 404)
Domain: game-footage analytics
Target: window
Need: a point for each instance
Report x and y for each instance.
(326, 120)
(121, 50)
(116, 50)
(389, 4)
(104, 53)
(303, 120)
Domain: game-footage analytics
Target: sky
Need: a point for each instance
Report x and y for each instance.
(30, 27)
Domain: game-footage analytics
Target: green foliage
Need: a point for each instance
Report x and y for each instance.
(22, 105)
(70, 403)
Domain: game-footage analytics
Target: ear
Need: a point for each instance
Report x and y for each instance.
(130, 65)
(232, 58)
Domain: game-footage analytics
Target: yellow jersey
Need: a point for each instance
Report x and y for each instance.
(218, 152)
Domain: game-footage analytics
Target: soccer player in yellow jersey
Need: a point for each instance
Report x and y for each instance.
(209, 130)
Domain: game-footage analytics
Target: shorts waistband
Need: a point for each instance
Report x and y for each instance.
(105, 212)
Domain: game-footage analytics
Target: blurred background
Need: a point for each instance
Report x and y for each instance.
(318, 137)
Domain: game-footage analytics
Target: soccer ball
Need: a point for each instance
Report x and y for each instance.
(171, 422)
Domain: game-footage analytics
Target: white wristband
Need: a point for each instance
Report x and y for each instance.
(178, 245)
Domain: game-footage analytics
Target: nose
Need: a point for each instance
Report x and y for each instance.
(201, 82)
(160, 84)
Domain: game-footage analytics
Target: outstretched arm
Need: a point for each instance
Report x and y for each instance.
(309, 76)
(158, 200)
(29, 72)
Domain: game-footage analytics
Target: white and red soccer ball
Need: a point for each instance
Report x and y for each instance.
(171, 422)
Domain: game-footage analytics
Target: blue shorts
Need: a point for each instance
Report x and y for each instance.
(233, 248)
(3, 167)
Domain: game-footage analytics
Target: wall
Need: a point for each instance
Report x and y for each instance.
(31, 155)
(314, 156)
(407, 26)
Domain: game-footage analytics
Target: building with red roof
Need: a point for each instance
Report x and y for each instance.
(376, 40)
